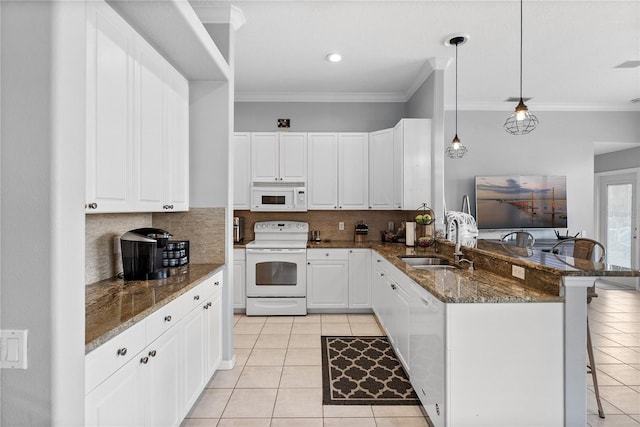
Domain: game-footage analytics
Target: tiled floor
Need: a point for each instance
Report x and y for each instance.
(614, 319)
(277, 379)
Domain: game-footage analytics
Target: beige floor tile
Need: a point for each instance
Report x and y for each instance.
(627, 327)
(392, 411)
(303, 357)
(362, 318)
(604, 357)
(366, 329)
(309, 318)
(612, 421)
(603, 379)
(298, 403)
(272, 341)
(267, 357)
(592, 405)
(210, 404)
(251, 403)
(199, 422)
(253, 319)
(347, 411)
(351, 422)
(306, 328)
(305, 341)
(623, 354)
(301, 377)
(336, 329)
(244, 422)
(335, 318)
(247, 328)
(636, 417)
(279, 319)
(297, 422)
(260, 377)
(601, 328)
(244, 341)
(402, 422)
(242, 354)
(225, 379)
(601, 341)
(622, 397)
(276, 328)
(626, 374)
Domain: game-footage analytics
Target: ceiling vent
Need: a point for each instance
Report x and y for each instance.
(516, 99)
(628, 64)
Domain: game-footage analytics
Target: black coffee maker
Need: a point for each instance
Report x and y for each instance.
(142, 254)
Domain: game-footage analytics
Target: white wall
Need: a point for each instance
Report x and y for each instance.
(318, 116)
(42, 218)
(623, 159)
(561, 145)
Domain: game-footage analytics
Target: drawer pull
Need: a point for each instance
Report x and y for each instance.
(122, 351)
(217, 283)
(144, 360)
(210, 304)
(152, 353)
(167, 318)
(326, 254)
(196, 297)
(393, 286)
(206, 306)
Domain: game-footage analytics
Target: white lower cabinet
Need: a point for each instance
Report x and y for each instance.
(359, 278)
(160, 383)
(239, 279)
(327, 278)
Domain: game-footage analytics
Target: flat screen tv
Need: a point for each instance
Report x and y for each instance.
(521, 202)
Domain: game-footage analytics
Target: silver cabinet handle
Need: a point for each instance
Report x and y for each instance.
(378, 260)
(393, 286)
(209, 304)
(152, 353)
(167, 318)
(122, 351)
(196, 297)
(216, 284)
(206, 306)
(326, 254)
(92, 205)
(144, 360)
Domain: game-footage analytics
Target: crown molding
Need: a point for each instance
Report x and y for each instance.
(220, 14)
(320, 97)
(432, 64)
(506, 107)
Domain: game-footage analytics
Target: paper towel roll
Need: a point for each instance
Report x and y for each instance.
(410, 233)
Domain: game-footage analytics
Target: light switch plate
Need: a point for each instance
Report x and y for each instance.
(517, 271)
(13, 349)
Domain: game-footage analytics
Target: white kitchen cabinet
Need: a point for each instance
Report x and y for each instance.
(239, 279)
(412, 163)
(359, 278)
(327, 278)
(242, 170)
(401, 322)
(193, 355)
(213, 328)
(279, 157)
(381, 167)
(109, 145)
(353, 171)
(323, 171)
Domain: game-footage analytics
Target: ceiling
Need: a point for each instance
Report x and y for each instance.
(570, 51)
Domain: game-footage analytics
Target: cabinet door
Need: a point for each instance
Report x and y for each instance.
(381, 176)
(109, 147)
(353, 171)
(387, 295)
(193, 355)
(359, 278)
(323, 171)
(401, 322)
(264, 157)
(176, 175)
(118, 401)
(242, 171)
(398, 170)
(293, 157)
(162, 380)
(149, 130)
(416, 173)
(239, 284)
(327, 284)
(213, 332)
(377, 290)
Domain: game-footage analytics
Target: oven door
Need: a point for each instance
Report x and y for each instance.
(276, 272)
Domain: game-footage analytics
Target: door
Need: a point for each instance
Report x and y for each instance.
(618, 218)
(177, 139)
(242, 171)
(328, 284)
(293, 157)
(359, 278)
(353, 171)
(264, 157)
(381, 170)
(276, 272)
(323, 171)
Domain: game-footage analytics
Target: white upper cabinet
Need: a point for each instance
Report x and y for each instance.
(278, 157)
(109, 148)
(137, 156)
(241, 170)
(412, 163)
(381, 166)
(323, 171)
(353, 172)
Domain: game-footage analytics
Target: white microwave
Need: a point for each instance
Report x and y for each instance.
(290, 197)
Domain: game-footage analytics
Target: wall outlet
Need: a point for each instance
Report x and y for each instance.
(517, 271)
(341, 226)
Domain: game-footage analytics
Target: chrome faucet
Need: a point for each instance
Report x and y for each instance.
(457, 253)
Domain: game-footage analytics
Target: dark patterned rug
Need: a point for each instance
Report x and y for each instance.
(363, 371)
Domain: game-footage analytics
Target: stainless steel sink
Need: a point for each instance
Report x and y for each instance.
(419, 262)
(435, 267)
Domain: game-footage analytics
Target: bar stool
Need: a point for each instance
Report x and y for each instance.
(523, 239)
(593, 250)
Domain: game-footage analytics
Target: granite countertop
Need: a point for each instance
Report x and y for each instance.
(113, 305)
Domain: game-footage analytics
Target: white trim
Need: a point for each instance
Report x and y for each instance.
(320, 97)
(225, 14)
(506, 106)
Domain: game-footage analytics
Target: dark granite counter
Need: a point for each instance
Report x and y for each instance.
(113, 305)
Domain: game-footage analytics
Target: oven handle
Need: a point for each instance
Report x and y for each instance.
(276, 251)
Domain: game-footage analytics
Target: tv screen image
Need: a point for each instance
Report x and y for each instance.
(521, 202)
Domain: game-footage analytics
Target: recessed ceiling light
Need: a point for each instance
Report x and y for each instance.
(334, 57)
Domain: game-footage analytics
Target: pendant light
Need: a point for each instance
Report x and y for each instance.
(456, 150)
(521, 122)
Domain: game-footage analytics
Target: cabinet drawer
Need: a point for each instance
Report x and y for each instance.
(163, 319)
(110, 356)
(328, 254)
(196, 296)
